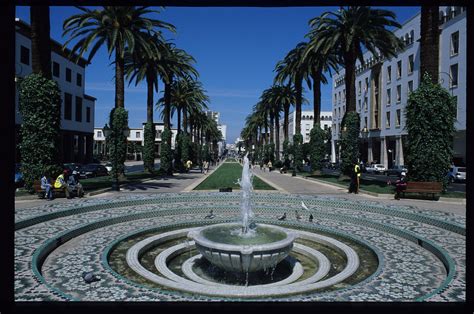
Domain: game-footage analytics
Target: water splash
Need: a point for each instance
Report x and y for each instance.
(246, 186)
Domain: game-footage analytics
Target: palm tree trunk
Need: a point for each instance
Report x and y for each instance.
(299, 99)
(185, 121)
(179, 120)
(317, 98)
(429, 31)
(167, 107)
(349, 79)
(277, 138)
(40, 40)
(119, 80)
(149, 99)
(286, 109)
(266, 128)
(272, 118)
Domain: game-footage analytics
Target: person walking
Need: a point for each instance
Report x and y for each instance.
(46, 185)
(400, 185)
(189, 164)
(270, 165)
(357, 175)
(61, 183)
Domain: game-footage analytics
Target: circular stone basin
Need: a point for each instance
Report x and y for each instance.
(224, 246)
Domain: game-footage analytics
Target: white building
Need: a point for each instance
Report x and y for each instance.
(136, 136)
(77, 108)
(383, 86)
(307, 122)
(222, 144)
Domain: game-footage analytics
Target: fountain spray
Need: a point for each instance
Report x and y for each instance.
(246, 186)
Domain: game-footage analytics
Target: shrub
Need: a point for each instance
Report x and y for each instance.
(149, 147)
(117, 141)
(40, 108)
(166, 157)
(349, 141)
(298, 150)
(430, 116)
(317, 147)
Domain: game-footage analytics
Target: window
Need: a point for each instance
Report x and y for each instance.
(359, 105)
(343, 95)
(360, 87)
(389, 96)
(339, 97)
(76, 144)
(399, 69)
(454, 43)
(56, 69)
(387, 121)
(88, 114)
(412, 36)
(454, 75)
(78, 109)
(67, 106)
(68, 74)
(24, 55)
(137, 134)
(335, 98)
(399, 93)
(389, 74)
(410, 86)
(365, 122)
(366, 84)
(398, 117)
(99, 133)
(410, 64)
(79, 79)
(339, 109)
(365, 103)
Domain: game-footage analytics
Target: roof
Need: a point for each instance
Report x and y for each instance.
(90, 97)
(25, 29)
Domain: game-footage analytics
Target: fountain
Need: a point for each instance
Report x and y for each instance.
(245, 247)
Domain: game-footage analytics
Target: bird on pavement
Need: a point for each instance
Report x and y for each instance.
(283, 217)
(89, 277)
(310, 218)
(210, 215)
(304, 206)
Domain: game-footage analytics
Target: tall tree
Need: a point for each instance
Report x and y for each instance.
(429, 43)
(119, 28)
(346, 32)
(40, 40)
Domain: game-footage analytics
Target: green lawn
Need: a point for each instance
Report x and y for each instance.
(226, 176)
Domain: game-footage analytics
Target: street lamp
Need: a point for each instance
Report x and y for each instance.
(108, 132)
(390, 156)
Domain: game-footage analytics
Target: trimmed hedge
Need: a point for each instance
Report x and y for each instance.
(350, 141)
(149, 147)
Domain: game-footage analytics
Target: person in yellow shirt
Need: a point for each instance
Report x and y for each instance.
(61, 183)
(358, 173)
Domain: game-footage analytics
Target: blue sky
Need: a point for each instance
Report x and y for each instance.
(236, 50)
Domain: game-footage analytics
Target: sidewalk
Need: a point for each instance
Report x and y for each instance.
(299, 185)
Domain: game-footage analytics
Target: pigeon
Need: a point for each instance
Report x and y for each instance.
(210, 215)
(304, 206)
(89, 277)
(310, 218)
(283, 217)
(298, 216)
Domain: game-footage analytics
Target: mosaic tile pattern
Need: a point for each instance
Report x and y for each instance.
(408, 271)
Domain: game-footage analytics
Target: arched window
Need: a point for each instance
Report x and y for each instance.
(311, 117)
(412, 36)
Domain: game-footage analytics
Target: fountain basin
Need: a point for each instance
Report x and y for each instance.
(263, 248)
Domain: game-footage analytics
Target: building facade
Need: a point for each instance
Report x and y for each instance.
(307, 122)
(384, 84)
(77, 108)
(136, 137)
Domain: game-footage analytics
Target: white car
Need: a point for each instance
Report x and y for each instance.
(376, 168)
(108, 166)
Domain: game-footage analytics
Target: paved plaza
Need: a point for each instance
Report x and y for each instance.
(419, 245)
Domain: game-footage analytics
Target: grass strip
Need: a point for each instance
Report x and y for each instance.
(226, 177)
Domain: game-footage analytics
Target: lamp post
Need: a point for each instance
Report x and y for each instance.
(108, 132)
(390, 157)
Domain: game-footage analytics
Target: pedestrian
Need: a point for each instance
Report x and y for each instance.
(74, 186)
(189, 164)
(61, 183)
(270, 165)
(46, 185)
(400, 185)
(357, 174)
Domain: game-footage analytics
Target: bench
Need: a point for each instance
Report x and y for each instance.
(41, 193)
(432, 188)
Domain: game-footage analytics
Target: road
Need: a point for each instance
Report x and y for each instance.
(453, 187)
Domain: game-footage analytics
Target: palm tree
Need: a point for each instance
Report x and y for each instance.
(346, 32)
(120, 28)
(40, 40)
(292, 70)
(429, 43)
(317, 64)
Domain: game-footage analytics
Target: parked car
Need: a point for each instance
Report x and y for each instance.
(92, 171)
(74, 168)
(19, 182)
(396, 170)
(376, 168)
(108, 166)
(457, 174)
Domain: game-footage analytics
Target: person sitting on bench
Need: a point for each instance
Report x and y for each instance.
(400, 185)
(45, 185)
(61, 183)
(74, 186)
